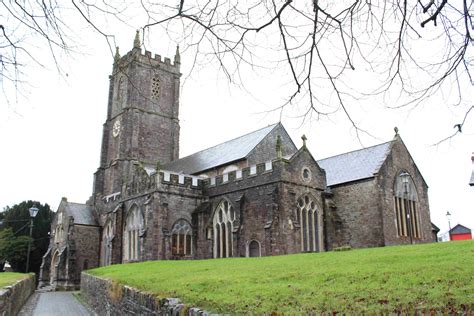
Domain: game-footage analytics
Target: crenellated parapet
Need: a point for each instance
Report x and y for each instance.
(246, 173)
(165, 177)
(146, 57)
(145, 181)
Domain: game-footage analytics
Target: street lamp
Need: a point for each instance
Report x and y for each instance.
(33, 211)
(448, 216)
(405, 179)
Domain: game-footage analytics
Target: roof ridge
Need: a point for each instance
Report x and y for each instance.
(76, 203)
(356, 150)
(227, 141)
(461, 225)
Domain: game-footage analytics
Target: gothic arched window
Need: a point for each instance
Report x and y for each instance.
(181, 238)
(309, 219)
(406, 206)
(223, 226)
(132, 232)
(107, 236)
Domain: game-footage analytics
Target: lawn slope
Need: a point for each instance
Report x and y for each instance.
(10, 278)
(432, 277)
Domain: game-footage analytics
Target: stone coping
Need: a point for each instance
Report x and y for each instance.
(13, 297)
(107, 297)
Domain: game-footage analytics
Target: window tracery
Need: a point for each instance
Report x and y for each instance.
(132, 233)
(407, 217)
(107, 236)
(223, 226)
(181, 238)
(309, 219)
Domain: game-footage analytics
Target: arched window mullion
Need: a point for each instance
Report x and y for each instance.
(223, 230)
(180, 233)
(406, 212)
(307, 214)
(131, 236)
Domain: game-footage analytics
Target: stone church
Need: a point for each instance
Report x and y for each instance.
(255, 195)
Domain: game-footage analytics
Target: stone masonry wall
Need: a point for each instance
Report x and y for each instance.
(144, 103)
(87, 248)
(12, 298)
(358, 207)
(266, 149)
(161, 205)
(397, 161)
(109, 298)
(265, 206)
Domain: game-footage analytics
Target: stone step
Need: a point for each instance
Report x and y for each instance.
(47, 288)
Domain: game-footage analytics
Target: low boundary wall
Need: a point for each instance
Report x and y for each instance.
(13, 297)
(107, 297)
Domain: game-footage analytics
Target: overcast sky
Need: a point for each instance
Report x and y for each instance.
(50, 138)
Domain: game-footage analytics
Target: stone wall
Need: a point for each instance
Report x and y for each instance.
(397, 161)
(358, 208)
(365, 209)
(109, 298)
(266, 149)
(87, 240)
(143, 110)
(265, 204)
(12, 298)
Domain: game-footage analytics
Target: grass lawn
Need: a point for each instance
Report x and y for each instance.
(10, 278)
(431, 277)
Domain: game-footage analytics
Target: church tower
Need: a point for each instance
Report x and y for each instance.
(142, 124)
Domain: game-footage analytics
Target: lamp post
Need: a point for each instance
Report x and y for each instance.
(33, 211)
(405, 179)
(448, 216)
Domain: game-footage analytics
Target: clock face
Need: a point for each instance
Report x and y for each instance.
(116, 128)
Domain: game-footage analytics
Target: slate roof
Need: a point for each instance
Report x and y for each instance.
(459, 229)
(232, 150)
(81, 213)
(355, 165)
(434, 228)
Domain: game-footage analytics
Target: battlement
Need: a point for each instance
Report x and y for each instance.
(182, 180)
(157, 59)
(164, 177)
(240, 174)
(197, 182)
(154, 60)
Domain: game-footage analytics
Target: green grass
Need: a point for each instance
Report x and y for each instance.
(421, 278)
(10, 278)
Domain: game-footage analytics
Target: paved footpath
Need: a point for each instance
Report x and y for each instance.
(52, 304)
